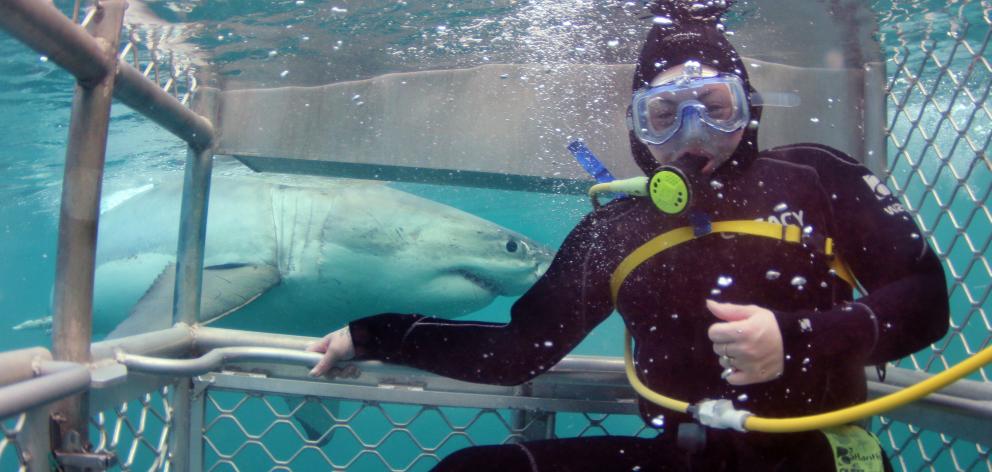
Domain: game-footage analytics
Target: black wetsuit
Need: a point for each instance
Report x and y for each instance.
(827, 339)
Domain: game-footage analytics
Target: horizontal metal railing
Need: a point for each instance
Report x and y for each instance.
(283, 355)
(961, 410)
(31, 378)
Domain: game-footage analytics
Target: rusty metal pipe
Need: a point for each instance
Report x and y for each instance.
(45, 29)
(72, 325)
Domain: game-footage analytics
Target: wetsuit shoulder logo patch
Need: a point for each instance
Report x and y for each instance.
(882, 193)
(877, 187)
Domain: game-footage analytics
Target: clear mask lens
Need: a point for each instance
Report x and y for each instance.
(719, 102)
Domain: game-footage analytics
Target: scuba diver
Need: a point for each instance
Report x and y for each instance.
(767, 321)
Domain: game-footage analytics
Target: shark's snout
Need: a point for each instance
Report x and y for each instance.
(543, 262)
(511, 273)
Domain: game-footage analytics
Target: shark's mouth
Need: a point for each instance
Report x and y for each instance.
(482, 282)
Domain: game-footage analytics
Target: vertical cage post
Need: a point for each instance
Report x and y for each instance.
(198, 399)
(532, 425)
(37, 432)
(875, 118)
(78, 221)
(179, 441)
(186, 447)
(192, 236)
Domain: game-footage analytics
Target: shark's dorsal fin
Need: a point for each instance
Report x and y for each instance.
(226, 288)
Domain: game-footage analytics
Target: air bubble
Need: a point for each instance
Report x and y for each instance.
(814, 120)
(798, 281)
(716, 185)
(284, 73)
(613, 43)
(742, 397)
(724, 281)
(548, 344)
(662, 20)
(773, 275)
(781, 207)
(715, 292)
(658, 421)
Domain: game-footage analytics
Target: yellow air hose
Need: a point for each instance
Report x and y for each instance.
(822, 420)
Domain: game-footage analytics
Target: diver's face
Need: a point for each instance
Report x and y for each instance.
(713, 146)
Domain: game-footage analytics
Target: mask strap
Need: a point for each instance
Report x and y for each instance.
(775, 99)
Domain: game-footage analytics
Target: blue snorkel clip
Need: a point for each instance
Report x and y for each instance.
(590, 162)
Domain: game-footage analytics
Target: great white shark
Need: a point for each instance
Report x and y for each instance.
(305, 258)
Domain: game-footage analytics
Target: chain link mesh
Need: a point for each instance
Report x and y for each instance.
(254, 431)
(173, 72)
(939, 129)
(137, 432)
(13, 453)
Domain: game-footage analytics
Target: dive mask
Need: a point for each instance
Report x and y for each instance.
(719, 102)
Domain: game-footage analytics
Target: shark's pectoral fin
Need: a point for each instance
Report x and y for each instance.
(226, 288)
(315, 417)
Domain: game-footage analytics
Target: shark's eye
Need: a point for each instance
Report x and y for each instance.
(511, 246)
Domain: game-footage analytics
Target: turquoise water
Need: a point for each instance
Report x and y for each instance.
(35, 97)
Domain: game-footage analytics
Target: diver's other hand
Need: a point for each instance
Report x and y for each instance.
(748, 342)
(336, 346)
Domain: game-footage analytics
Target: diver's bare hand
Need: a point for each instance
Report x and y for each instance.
(336, 346)
(748, 342)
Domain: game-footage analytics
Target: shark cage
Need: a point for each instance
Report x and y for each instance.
(904, 89)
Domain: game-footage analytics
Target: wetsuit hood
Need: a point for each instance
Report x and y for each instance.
(685, 30)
